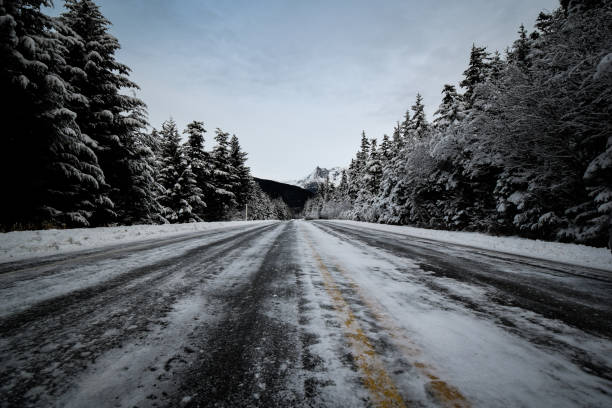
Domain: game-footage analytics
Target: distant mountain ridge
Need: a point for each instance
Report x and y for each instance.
(293, 195)
(314, 180)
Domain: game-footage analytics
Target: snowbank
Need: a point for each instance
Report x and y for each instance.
(572, 254)
(19, 245)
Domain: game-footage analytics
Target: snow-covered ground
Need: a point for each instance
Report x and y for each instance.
(572, 254)
(19, 245)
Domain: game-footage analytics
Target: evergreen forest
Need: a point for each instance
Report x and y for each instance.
(521, 146)
(76, 147)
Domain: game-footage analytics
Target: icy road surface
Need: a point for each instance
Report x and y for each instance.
(303, 314)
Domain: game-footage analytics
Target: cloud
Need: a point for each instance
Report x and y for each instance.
(297, 81)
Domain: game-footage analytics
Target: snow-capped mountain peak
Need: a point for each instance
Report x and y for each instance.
(318, 176)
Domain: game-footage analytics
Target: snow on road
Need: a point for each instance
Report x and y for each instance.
(469, 349)
(573, 254)
(138, 365)
(19, 245)
(304, 314)
(76, 276)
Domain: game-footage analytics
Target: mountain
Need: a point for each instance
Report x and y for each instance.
(312, 181)
(294, 196)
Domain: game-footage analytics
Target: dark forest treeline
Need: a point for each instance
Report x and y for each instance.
(525, 149)
(75, 150)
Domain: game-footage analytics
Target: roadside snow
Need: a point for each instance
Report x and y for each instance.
(572, 254)
(19, 245)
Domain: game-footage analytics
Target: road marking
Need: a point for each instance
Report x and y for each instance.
(380, 385)
(443, 393)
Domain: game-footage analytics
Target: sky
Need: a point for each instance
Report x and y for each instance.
(297, 81)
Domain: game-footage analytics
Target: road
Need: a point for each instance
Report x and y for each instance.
(303, 314)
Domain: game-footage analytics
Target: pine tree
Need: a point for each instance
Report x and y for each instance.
(223, 178)
(142, 190)
(450, 110)
(182, 197)
(373, 172)
(544, 22)
(343, 187)
(50, 175)
(419, 124)
(199, 161)
(385, 148)
(242, 174)
(476, 73)
(170, 169)
(353, 180)
(398, 140)
(519, 54)
(362, 154)
(194, 147)
(188, 194)
(112, 120)
(405, 128)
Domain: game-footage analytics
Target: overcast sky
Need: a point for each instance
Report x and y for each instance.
(297, 81)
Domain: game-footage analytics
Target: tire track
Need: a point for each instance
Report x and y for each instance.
(46, 346)
(251, 354)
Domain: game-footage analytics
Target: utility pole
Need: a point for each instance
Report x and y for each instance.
(246, 212)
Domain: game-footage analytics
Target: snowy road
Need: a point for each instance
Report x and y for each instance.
(303, 314)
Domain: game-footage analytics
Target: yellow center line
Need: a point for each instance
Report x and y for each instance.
(376, 380)
(444, 393)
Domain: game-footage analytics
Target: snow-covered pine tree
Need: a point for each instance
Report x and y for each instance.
(242, 173)
(352, 180)
(169, 168)
(580, 45)
(385, 148)
(50, 175)
(419, 124)
(143, 188)
(496, 67)
(112, 120)
(223, 178)
(392, 170)
(343, 187)
(362, 155)
(281, 210)
(405, 129)
(370, 184)
(189, 195)
(476, 73)
(519, 53)
(199, 160)
(182, 197)
(170, 163)
(357, 167)
(398, 140)
(450, 110)
(544, 22)
(373, 172)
